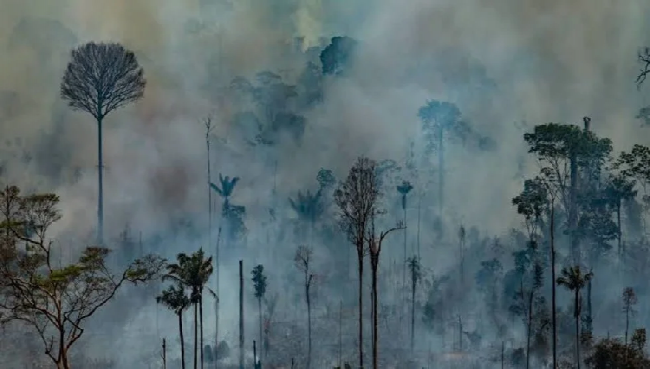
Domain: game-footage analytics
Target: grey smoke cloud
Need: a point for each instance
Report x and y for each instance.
(550, 60)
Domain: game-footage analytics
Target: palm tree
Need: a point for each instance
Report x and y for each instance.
(308, 206)
(416, 274)
(175, 299)
(573, 279)
(403, 190)
(193, 272)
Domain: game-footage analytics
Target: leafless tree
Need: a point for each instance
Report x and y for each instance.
(303, 259)
(356, 198)
(100, 78)
(374, 247)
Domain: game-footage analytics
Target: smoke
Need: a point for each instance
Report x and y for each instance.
(506, 62)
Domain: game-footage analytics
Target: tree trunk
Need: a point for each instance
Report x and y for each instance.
(573, 210)
(259, 307)
(441, 174)
(201, 328)
(360, 270)
(180, 331)
(375, 336)
(241, 314)
(196, 336)
(100, 185)
(308, 300)
(404, 266)
(627, 322)
(413, 286)
(529, 325)
(618, 227)
(553, 292)
(577, 315)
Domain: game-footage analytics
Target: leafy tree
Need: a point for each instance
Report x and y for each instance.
(356, 198)
(415, 270)
(303, 260)
(562, 150)
(629, 300)
(619, 189)
(612, 353)
(259, 284)
(337, 56)
(193, 272)
(439, 118)
(635, 164)
(175, 299)
(574, 279)
(99, 79)
(54, 301)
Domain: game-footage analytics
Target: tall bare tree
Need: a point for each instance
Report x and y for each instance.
(100, 78)
(303, 259)
(356, 198)
(259, 284)
(55, 301)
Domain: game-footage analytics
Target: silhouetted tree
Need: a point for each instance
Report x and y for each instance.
(416, 274)
(619, 189)
(259, 284)
(99, 79)
(562, 150)
(303, 259)
(175, 299)
(437, 119)
(193, 272)
(629, 300)
(54, 301)
(308, 206)
(574, 279)
(612, 353)
(356, 198)
(404, 190)
(635, 164)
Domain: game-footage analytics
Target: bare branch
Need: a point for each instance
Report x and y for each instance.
(101, 78)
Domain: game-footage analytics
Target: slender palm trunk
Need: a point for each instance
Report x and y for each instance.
(259, 309)
(618, 227)
(553, 292)
(180, 331)
(577, 301)
(201, 327)
(360, 270)
(375, 320)
(441, 174)
(241, 314)
(627, 322)
(196, 336)
(413, 286)
(308, 300)
(100, 187)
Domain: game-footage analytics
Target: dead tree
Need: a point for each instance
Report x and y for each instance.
(99, 79)
(374, 247)
(303, 260)
(356, 199)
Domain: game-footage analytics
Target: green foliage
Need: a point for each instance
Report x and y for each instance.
(174, 298)
(54, 300)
